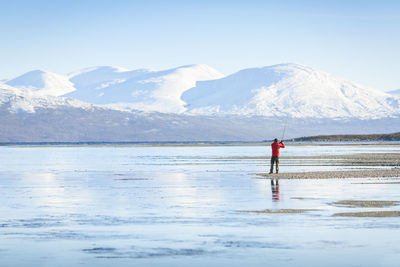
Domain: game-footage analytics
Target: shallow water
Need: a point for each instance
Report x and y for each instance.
(181, 206)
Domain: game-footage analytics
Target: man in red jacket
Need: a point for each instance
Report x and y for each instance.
(275, 154)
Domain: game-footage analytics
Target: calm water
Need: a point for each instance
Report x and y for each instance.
(180, 206)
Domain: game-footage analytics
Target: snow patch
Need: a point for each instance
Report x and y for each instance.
(21, 100)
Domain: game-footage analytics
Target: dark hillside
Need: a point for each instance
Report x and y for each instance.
(352, 137)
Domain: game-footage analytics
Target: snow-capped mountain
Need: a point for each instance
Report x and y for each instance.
(284, 90)
(142, 89)
(45, 83)
(28, 116)
(289, 90)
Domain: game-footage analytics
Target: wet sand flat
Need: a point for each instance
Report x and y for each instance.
(360, 160)
(369, 214)
(365, 203)
(393, 173)
(284, 211)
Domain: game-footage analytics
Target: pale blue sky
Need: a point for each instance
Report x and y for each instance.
(357, 40)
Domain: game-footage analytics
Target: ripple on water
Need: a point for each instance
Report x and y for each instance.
(137, 253)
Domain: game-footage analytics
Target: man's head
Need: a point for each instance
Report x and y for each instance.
(276, 140)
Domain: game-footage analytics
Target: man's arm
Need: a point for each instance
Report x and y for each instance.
(281, 144)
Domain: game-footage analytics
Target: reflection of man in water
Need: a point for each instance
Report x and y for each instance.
(275, 154)
(275, 189)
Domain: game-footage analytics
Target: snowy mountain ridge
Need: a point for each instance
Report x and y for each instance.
(273, 91)
(289, 90)
(141, 89)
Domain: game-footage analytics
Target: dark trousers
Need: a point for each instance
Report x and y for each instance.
(274, 159)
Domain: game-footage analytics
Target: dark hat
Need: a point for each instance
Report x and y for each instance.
(276, 140)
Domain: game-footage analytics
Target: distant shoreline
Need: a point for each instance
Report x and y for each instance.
(351, 137)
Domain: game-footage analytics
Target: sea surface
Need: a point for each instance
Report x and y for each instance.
(143, 205)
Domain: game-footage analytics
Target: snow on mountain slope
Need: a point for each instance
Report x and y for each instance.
(141, 89)
(93, 83)
(146, 90)
(97, 78)
(21, 100)
(395, 92)
(289, 90)
(45, 83)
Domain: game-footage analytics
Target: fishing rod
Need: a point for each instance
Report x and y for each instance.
(284, 128)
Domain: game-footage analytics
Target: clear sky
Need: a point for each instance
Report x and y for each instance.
(355, 39)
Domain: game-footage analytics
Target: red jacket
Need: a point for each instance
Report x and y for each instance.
(275, 148)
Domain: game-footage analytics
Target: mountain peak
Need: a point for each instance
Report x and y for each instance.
(289, 65)
(198, 68)
(36, 72)
(98, 69)
(43, 82)
(195, 66)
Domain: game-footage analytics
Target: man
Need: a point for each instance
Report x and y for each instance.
(275, 154)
